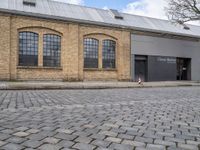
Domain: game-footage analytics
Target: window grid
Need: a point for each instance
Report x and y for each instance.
(51, 50)
(28, 49)
(109, 48)
(91, 47)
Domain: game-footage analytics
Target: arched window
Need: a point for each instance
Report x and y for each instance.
(28, 49)
(109, 48)
(51, 50)
(91, 47)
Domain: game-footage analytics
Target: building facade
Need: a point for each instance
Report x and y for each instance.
(48, 40)
(38, 49)
(165, 59)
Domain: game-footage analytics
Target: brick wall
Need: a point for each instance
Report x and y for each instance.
(122, 38)
(4, 47)
(72, 35)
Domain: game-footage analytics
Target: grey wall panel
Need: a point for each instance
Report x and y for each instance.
(156, 46)
(133, 67)
(161, 68)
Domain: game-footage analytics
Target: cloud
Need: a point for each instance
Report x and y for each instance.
(150, 8)
(78, 2)
(194, 23)
(105, 8)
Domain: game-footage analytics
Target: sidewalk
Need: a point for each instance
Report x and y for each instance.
(38, 85)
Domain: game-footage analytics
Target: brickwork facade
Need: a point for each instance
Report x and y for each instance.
(72, 53)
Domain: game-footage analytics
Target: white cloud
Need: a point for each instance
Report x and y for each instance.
(78, 2)
(150, 8)
(194, 23)
(105, 8)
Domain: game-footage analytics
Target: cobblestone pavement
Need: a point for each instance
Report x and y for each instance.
(120, 119)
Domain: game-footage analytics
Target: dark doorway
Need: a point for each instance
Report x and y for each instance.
(183, 69)
(141, 68)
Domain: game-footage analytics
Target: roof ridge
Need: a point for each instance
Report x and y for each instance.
(84, 6)
(123, 13)
(70, 12)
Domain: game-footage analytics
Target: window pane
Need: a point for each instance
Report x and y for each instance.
(91, 47)
(51, 50)
(28, 49)
(109, 47)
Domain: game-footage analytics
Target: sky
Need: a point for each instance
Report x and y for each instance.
(150, 8)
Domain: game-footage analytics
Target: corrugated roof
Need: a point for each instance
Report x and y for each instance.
(64, 11)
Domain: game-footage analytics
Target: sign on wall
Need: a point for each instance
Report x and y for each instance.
(169, 60)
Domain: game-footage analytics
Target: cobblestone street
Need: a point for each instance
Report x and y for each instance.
(114, 119)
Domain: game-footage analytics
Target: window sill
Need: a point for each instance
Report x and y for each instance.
(37, 67)
(97, 69)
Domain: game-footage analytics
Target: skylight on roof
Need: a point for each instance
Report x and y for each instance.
(116, 14)
(29, 3)
(186, 27)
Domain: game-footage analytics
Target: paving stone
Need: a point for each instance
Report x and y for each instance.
(108, 133)
(174, 148)
(2, 143)
(37, 137)
(21, 134)
(11, 146)
(91, 131)
(125, 136)
(48, 128)
(68, 149)
(83, 146)
(165, 134)
(65, 136)
(134, 143)
(101, 148)
(187, 146)
(49, 147)
(82, 133)
(7, 131)
(90, 126)
(33, 131)
(98, 136)
(186, 137)
(111, 125)
(155, 147)
(165, 143)
(100, 143)
(193, 142)
(121, 146)
(142, 139)
(112, 139)
(32, 144)
(175, 140)
(140, 148)
(16, 140)
(85, 140)
(66, 144)
(151, 135)
(118, 130)
(22, 128)
(51, 140)
(4, 136)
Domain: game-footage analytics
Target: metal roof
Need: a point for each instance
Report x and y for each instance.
(69, 12)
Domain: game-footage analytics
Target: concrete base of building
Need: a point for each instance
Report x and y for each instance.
(53, 85)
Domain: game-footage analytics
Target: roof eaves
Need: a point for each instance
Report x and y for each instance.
(44, 16)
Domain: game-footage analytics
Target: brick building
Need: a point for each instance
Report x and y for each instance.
(48, 40)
